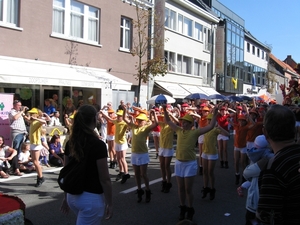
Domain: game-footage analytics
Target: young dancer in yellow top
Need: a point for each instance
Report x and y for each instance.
(121, 145)
(186, 161)
(139, 150)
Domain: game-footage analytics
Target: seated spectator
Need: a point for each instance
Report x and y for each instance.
(8, 160)
(55, 120)
(24, 158)
(56, 151)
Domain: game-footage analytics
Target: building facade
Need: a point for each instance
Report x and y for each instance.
(67, 47)
(189, 49)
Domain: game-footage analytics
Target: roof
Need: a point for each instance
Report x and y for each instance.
(285, 66)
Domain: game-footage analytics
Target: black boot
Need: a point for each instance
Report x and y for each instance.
(190, 213)
(212, 194)
(163, 186)
(237, 179)
(168, 187)
(39, 181)
(140, 193)
(125, 177)
(222, 164)
(226, 165)
(114, 165)
(119, 176)
(111, 164)
(148, 195)
(205, 191)
(182, 212)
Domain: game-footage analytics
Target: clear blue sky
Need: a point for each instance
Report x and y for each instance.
(275, 22)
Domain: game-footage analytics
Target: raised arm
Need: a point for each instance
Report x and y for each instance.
(106, 116)
(167, 118)
(212, 123)
(153, 115)
(124, 115)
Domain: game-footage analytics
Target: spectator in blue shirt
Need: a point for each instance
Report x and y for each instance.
(49, 108)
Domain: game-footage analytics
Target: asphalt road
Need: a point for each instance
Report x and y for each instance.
(43, 203)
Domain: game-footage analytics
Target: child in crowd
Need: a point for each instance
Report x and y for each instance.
(186, 163)
(209, 157)
(258, 156)
(140, 155)
(45, 150)
(240, 144)
(24, 159)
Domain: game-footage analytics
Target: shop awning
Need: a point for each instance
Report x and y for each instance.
(209, 90)
(174, 89)
(22, 71)
(183, 90)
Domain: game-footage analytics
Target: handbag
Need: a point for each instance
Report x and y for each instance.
(71, 178)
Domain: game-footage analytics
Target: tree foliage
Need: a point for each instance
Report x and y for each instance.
(144, 42)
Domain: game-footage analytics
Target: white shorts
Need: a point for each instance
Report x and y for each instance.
(186, 169)
(110, 137)
(130, 133)
(222, 137)
(155, 134)
(165, 152)
(121, 147)
(250, 145)
(36, 147)
(201, 139)
(242, 150)
(139, 159)
(209, 157)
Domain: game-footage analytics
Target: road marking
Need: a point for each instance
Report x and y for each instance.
(12, 177)
(143, 185)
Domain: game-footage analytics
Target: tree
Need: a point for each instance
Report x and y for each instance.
(144, 42)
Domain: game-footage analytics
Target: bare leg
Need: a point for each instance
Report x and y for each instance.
(237, 161)
(168, 168)
(162, 168)
(205, 173)
(211, 174)
(35, 155)
(137, 174)
(144, 174)
(188, 183)
(181, 190)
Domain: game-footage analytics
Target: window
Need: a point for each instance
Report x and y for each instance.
(179, 62)
(258, 52)
(186, 65)
(248, 47)
(188, 27)
(197, 67)
(262, 54)
(253, 50)
(9, 12)
(126, 39)
(170, 60)
(77, 20)
(207, 38)
(198, 31)
(170, 19)
(180, 23)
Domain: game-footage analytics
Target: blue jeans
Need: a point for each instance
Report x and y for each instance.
(18, 140)
(88, 207)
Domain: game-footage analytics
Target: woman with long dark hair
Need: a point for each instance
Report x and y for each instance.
(96, 199)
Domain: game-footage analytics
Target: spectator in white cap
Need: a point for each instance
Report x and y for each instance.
(259, 153)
